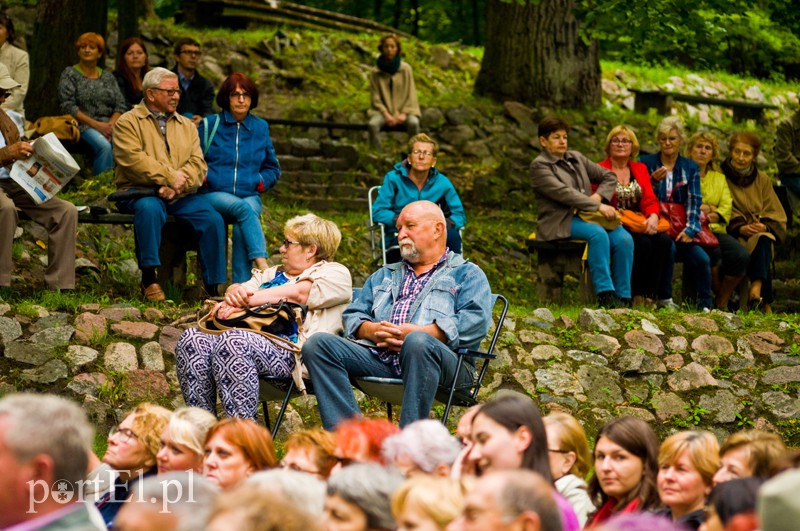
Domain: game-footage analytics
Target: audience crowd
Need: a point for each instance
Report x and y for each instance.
(186, 470)
(510, 467)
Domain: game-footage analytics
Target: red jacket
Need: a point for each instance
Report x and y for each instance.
(649, 203)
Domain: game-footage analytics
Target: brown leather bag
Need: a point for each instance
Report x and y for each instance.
(65, 127)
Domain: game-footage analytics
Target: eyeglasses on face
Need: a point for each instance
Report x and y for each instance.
(124, 434)
(621, 141)
(287, 242)
(191, 52)
(240, 95)
(422, 154)
(170, 92)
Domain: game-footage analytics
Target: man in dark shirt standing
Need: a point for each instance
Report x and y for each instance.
(197, 93)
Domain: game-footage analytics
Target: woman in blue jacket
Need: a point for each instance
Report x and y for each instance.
(416, 179)
(241, 165)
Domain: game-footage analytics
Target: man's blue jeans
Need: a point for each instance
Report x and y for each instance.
(248, 236)
(101, 149)
(425, 363)
(150, 215)
(610, 256)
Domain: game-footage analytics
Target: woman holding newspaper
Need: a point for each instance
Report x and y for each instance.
(59, 217)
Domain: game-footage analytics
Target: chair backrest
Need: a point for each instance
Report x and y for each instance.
(371, 196)
(376, 231)
(495, 336)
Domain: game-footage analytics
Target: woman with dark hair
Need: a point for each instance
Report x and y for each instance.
(92, 96)
(241, 165)
(732, 506)
(394, 95)
(17, 62)
(758, 219)
(625, 469)
(508, 433)
(132, 65)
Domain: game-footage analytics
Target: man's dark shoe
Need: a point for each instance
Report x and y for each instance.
(609, 299)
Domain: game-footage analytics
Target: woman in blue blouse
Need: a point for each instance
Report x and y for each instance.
(241, 165)
(677, 179)
(92, 96)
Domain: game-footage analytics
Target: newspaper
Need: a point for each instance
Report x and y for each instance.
(45, 172)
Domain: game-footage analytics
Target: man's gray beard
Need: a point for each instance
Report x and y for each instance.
(408, 253)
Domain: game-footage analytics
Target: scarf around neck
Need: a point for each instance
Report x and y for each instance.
(744, 177)
(390, 67)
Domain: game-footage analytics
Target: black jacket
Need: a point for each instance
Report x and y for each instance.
(199, 99)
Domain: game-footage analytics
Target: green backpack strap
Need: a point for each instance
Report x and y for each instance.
(208, 138)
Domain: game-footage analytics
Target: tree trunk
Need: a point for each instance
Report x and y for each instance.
(128, 18)
(58, 24)
(476, 23)
(415, 23)
(535, 55)
(398, 13)
(147, 9)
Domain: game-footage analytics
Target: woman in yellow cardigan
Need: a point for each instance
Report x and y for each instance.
(730, 259)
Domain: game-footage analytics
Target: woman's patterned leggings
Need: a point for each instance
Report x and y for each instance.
(231, 363)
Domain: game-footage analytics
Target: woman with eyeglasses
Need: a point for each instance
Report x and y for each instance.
(232, 362)
(91, 94)
(676, 179)
(241, 166)
(652, 250)
(131, 454)
(758, 219)
(132, 65)
(417, 179)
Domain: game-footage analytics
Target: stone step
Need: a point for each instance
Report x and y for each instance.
(333, 191)
(365, 180)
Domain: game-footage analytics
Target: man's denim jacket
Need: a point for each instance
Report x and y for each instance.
(457, 298)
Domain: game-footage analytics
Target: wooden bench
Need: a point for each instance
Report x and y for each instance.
(662, 102)
(555, 260)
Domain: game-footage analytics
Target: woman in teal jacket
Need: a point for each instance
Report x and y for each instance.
(415, 179)
(241, 164)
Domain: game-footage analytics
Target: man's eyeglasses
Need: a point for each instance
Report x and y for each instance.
(422, 154)
(170, 92)
(240, 95)
(287, 242)
(191, 52)
(125, 435)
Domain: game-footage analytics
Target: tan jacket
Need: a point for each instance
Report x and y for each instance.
(17, 62)
(142, 157)
(10, 132)
(563, 186)
(395, 93)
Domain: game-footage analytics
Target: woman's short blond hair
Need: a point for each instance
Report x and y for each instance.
(311, 229)
(425, 139)
(189, 425)
(671, 123)
(627, 131)
(149, 421)
(705, 136)
(440, 499)
(702, 448)
(571, 438)
(764, 450)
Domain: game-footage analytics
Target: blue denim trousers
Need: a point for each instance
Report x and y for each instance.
(248, 236)
(101, 149)
(425, 363)
(697, 264)
(610, 256)
(149, 217)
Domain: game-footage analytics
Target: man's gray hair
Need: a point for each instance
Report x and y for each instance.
(186, 494)
(304, 490)
(525, 490)
(426, 442)
(50, 425)
(155, 76)
(368, 486)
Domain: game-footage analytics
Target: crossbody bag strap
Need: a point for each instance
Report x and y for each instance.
(208, 138)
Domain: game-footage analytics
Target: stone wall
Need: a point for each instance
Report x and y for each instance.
(716, 371)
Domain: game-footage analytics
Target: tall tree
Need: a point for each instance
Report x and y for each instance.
(58, 24)
(128, 18)
(535, 55)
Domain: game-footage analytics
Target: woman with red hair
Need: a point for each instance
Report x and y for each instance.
(234, 449)
(131, 67)
(241, 165)
(360, 440)
(92, 96)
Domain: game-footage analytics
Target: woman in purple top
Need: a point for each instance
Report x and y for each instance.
(508, 433)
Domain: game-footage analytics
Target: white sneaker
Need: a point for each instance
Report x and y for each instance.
(669, 304)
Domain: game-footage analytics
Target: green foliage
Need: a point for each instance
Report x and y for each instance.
(114, 391)
(695, 417)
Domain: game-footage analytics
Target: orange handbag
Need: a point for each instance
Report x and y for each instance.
(637, 222)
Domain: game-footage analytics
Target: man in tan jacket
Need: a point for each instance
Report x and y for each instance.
(157, 151)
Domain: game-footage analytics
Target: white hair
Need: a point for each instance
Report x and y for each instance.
(426, 442)
(368, 486)
(304, 490)
(155, 76)
(186, 494)
(669, 124)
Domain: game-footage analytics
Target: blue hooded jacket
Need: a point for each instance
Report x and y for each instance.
(241, 159)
